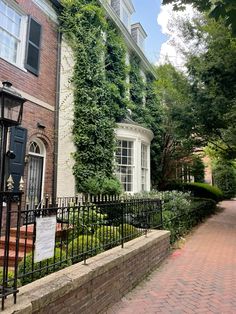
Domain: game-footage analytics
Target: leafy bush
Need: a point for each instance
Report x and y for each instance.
(225, 178)
(175, 201)
(10, 278)
(111, 186)
(60, 258)
(101, 185)
(180, 223)
(109, 236)
(129, 232)
(84, 245)
(198, 190)
(85, 220)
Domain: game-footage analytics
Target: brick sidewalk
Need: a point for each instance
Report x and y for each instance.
(199, 278)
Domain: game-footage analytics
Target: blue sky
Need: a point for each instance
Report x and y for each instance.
(146, 13)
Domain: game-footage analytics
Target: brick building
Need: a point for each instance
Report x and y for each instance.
(28, 59)
(39, 64)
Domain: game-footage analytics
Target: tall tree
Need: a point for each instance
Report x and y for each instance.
(176, 142)
(213, 86)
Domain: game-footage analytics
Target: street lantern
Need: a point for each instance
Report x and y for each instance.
(11, 110)
(11, 105)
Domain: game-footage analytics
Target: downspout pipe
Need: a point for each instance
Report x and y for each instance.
(56, 117)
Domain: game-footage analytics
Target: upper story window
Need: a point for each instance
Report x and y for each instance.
(141, 41)
(124, 9)
(10, 33)
(14, 37)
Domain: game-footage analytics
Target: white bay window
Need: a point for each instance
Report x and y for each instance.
(133, 156)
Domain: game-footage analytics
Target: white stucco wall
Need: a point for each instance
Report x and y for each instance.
(65, 180)
(138, 135)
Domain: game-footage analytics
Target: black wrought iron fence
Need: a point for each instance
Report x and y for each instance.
(49, 237)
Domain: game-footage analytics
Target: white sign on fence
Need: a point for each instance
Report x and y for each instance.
(45, 238)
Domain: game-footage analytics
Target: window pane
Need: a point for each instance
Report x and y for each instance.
(9, 32)
(124, 159)
(125, 17)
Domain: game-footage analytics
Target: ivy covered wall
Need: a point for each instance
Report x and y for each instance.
(100, 92)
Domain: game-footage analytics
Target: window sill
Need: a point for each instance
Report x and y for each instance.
(14, 64)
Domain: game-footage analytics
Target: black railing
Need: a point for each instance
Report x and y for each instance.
(81, 229)
(10, 214)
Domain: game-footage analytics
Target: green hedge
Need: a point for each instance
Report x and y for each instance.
(197, 189)
(129, 232)
(28, 266)
(10, 278)
(84, 246)
(109, 236)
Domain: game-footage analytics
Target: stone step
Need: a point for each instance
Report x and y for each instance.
(24, 244)
(11, 257)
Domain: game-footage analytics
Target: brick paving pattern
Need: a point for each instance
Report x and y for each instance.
(198, 278)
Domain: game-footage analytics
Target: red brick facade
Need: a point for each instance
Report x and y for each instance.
(41, 87)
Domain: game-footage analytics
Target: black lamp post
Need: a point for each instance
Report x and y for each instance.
(11, 110)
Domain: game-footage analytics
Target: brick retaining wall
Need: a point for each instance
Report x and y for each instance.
(94, 287)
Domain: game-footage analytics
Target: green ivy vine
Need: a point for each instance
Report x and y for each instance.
(100, 93)
(147, 110)
(99, 86)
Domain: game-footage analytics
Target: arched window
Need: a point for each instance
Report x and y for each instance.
(34, 148)
(36, 168)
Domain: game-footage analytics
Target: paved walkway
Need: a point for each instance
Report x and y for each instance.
(199, 278)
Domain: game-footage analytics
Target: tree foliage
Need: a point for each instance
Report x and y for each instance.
(224, 9)
(175, 139)
(213, 87)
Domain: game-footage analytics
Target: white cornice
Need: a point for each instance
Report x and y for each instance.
(127, 36)
(137, 128)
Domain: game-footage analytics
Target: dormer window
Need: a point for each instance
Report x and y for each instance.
(124, 9)
(138, 34)
(125, 17)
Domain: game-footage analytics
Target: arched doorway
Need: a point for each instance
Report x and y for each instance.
(37, 154)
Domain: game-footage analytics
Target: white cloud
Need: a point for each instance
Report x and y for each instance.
(171, 49)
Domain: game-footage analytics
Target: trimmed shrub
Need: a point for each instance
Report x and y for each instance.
(205, 190)
(111, 186)
(109, 236)
(60, 258)
(84, 246)
(129, 232)
(10, 279)
(225, 178)
(85, 221)
(198, 189)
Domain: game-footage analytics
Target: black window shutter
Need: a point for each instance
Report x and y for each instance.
(33, 46)
(18, 138)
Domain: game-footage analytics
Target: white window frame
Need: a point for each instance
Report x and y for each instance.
(144, 166)
(128, 166)
(20, 54)
(43, 155)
